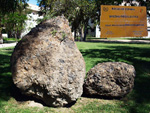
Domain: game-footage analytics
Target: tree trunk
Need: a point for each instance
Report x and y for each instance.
(9, 34)
(18, 34)
(85, 32)
(75, 36)
(81, 34)
(15, 34)
(1, 38)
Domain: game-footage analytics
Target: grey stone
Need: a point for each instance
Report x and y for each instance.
(34, 104)
(110, 80)
(47, 64)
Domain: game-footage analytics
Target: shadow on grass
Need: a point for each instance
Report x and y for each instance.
(7, 88)
(138, 38)
(9, 42)
(5, 75)
(139, 57)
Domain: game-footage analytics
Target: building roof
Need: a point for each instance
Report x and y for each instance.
(33, 7)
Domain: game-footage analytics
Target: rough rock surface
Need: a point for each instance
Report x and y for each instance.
(110, 80)
(47, 64)
(34, 104)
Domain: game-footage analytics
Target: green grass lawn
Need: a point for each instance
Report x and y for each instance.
(10, 40)
(138, 101)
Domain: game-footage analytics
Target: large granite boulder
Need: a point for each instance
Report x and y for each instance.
(110, 80)
(47, 64)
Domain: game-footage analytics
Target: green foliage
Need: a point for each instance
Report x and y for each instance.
(9, 6)
(63, 35)
(14, 21)
(78, 12)
(12, 8)
(54, 32)
(46, 5)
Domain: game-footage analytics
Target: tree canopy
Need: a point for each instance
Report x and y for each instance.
(8, 8)
(78, 12)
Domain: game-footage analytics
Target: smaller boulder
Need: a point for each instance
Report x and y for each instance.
(110, 80)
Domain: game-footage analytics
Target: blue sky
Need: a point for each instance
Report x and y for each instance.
(34, 2)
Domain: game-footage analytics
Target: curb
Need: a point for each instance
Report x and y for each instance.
(8, 45)
(122, 41)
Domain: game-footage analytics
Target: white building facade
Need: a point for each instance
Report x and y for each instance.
(32, 20)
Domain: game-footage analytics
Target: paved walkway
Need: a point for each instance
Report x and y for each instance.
(122, 41)
(8, 45)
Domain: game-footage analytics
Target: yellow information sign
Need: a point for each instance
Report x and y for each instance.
(123, 21)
